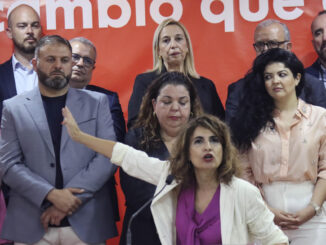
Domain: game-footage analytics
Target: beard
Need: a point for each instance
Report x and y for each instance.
(322, 52)
(55, 82)
(27, 49)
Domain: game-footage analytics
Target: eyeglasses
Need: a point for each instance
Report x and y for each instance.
(260, 46)
(88, 62)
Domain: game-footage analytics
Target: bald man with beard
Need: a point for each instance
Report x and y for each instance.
(17, 74)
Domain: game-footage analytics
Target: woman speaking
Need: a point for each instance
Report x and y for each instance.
(206, 203)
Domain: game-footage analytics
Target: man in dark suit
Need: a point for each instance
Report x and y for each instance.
(84, 56)
(318, 30)
(54, 181)
(17, 74)
(273, 34)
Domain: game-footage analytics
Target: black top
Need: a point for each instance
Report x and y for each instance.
(137, 192)
(206, 89)
(53, 110)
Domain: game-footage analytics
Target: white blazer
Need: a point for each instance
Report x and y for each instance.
(244, 215)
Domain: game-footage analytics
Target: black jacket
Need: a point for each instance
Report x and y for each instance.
(206, 89)
(137, 192)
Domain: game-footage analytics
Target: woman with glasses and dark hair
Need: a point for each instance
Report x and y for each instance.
(283, 144)
(205, 203)
(172, 51)
(169, 102)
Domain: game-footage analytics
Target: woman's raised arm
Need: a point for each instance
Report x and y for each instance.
(104, 147)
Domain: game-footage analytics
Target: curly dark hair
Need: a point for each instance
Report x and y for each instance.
(257, 106)
(183, 170)
(146, 119)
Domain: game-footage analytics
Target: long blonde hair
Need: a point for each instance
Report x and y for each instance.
(188, 65)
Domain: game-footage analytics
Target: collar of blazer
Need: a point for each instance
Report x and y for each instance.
(75, 101)
(227, 204)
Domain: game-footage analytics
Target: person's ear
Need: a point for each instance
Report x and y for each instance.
(154, 104)
(9, 32)
(297, 79)
(288, 46)
(34, 63)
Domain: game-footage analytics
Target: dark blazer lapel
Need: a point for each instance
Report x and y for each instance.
(11, 85)
(7, 85)
(34, 106)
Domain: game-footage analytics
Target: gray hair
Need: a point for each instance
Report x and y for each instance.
(269, 22)
(52, 39)
(85, 41)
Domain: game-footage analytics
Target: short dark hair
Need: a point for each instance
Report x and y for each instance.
(51, 39)
(181, 167)
(147, 120)
(321, 12)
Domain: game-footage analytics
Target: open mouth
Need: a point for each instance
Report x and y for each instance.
(208, 157)
(174, 118)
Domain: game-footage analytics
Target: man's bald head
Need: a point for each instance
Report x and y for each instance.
(24, 28)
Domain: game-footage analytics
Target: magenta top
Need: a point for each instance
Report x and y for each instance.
(194, 228)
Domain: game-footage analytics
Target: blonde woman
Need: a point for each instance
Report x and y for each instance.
(172, 51)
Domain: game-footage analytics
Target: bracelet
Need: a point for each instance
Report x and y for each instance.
(316, 207)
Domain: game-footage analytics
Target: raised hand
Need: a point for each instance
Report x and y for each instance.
(70, 123)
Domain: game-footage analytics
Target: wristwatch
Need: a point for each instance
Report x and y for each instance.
(316, 207)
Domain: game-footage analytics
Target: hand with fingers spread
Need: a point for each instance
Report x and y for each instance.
(64, 199)
(70, 123)
(52, 216)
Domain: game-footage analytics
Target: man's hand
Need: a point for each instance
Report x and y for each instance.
(52, 216)
(64, 199)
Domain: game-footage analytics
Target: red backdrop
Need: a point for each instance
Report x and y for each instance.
(221, 32)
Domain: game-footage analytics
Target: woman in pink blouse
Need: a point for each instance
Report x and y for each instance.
(283, 141)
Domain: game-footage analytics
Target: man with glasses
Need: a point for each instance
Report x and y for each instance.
(84, 57)
(273, 34)
(318, 30)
